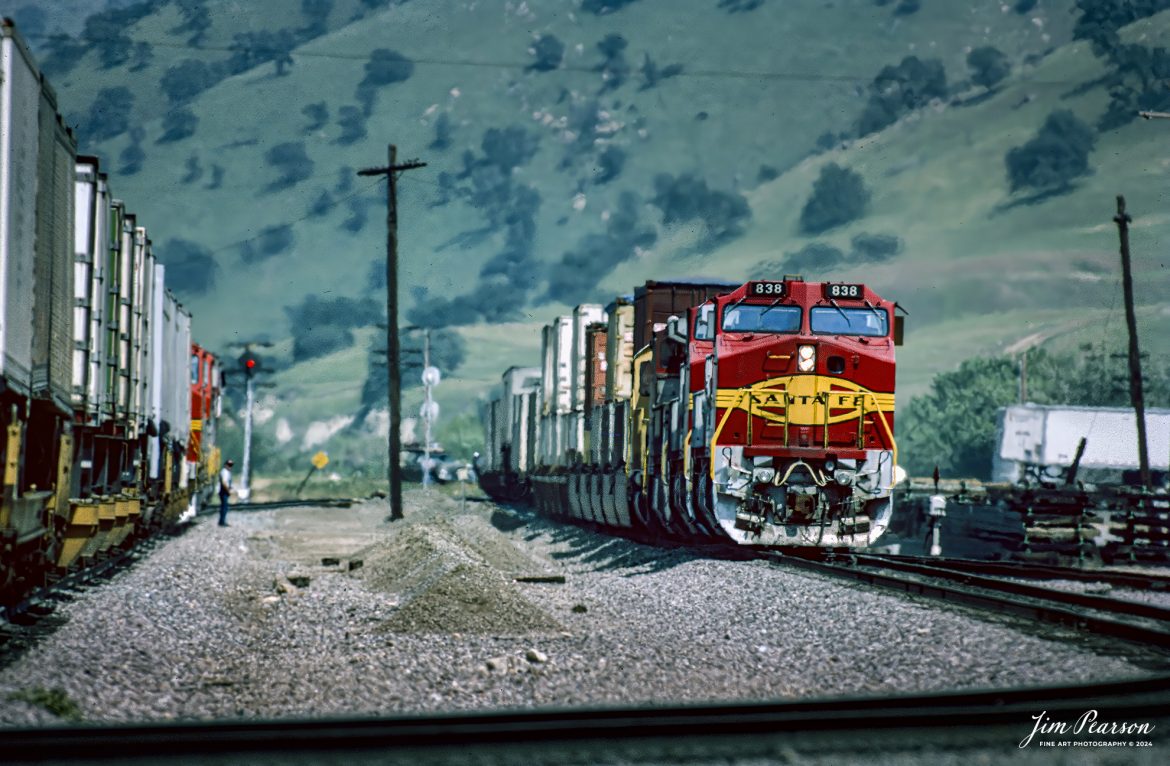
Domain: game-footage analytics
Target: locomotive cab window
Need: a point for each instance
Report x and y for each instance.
(705, 323)
(825, 320)
(746, 317)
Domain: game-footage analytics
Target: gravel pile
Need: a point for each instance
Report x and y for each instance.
(214, 625)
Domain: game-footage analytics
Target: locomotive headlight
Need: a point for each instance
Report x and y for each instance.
(806, 358)
(763, 475)
(830, 464)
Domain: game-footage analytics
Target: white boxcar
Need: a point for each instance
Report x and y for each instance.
(583, 316)
(1034, 437)
(52, 351)
(619, 342)
(143, 298)
(518, 384)
(91, 251)
(169, 380)
(36, 198)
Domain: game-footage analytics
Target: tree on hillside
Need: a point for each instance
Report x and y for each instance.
(548, 52)
(291, 161)
(316, 13)
(874, 248)
(384, 67)
(191, 268)
(900, 89)
(839, 196)
(814, 258)
(600, 7)
(1057, 155)
(196, 20)
(615, 69)
(687, 198)
(318, 115)
(133, 155)
(352, 122)
(109, 115)
(178, 124)
(989, 66)
(187, 79)
(740, 6)
(442, 140)
(272, 241)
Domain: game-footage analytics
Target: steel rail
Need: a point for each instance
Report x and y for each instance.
(1146, 699)
(1084, 600)
(995, 602)
(1121, 579)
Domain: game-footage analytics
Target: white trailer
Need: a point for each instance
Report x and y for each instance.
(1038, 440)
(37, 154)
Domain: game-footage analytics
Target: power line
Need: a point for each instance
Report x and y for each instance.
(740, 74)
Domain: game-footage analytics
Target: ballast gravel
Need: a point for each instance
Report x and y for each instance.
(489, 608)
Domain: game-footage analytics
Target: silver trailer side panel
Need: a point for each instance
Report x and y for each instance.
(20, 95)
(52, 354)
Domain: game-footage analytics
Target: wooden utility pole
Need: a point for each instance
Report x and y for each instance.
(394, 393)
(1122, 220)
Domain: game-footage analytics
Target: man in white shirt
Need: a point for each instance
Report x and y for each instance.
(225, 491)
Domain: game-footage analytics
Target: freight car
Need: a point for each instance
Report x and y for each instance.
(101, 387)
(758, 413)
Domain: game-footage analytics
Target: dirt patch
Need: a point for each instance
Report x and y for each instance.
(471, 599)
(453, 580)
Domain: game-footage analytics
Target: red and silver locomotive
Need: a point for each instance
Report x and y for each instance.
(761, 413)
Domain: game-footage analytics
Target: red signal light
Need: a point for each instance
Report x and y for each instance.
(250, 363)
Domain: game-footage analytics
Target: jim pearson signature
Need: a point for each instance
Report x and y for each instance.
(1088, 723)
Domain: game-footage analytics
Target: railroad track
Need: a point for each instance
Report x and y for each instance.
(211, 509)
(1136, 622)
(839, 728)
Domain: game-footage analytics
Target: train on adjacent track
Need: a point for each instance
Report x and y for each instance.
(760, 413)
(107, 407)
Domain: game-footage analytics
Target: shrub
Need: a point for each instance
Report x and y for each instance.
(989, 66)
(291, 161)
(813, 258)
(271, 241)
(687, 198)
(109, 115)
(874, 248)
(186, 80)
(178, 124)
(190, 267)
(839, 196)
(383, 68)
(1058, 154)
(548, 52)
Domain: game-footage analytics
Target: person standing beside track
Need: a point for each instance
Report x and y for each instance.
(225, 491)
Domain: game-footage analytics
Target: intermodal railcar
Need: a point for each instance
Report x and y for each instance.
(103, 395)
(760, 413)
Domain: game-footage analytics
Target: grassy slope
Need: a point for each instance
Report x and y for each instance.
(976, 274)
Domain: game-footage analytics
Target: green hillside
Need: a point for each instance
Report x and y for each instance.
(637, 174)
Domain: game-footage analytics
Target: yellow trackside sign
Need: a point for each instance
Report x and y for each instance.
(320, 460)
(801, 400)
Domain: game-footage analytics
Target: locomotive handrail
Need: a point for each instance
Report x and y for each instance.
(865, 392)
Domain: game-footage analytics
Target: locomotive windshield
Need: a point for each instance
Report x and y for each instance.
(745, 317)
(849, 321)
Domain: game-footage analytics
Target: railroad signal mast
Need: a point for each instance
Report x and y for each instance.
(249, 366)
